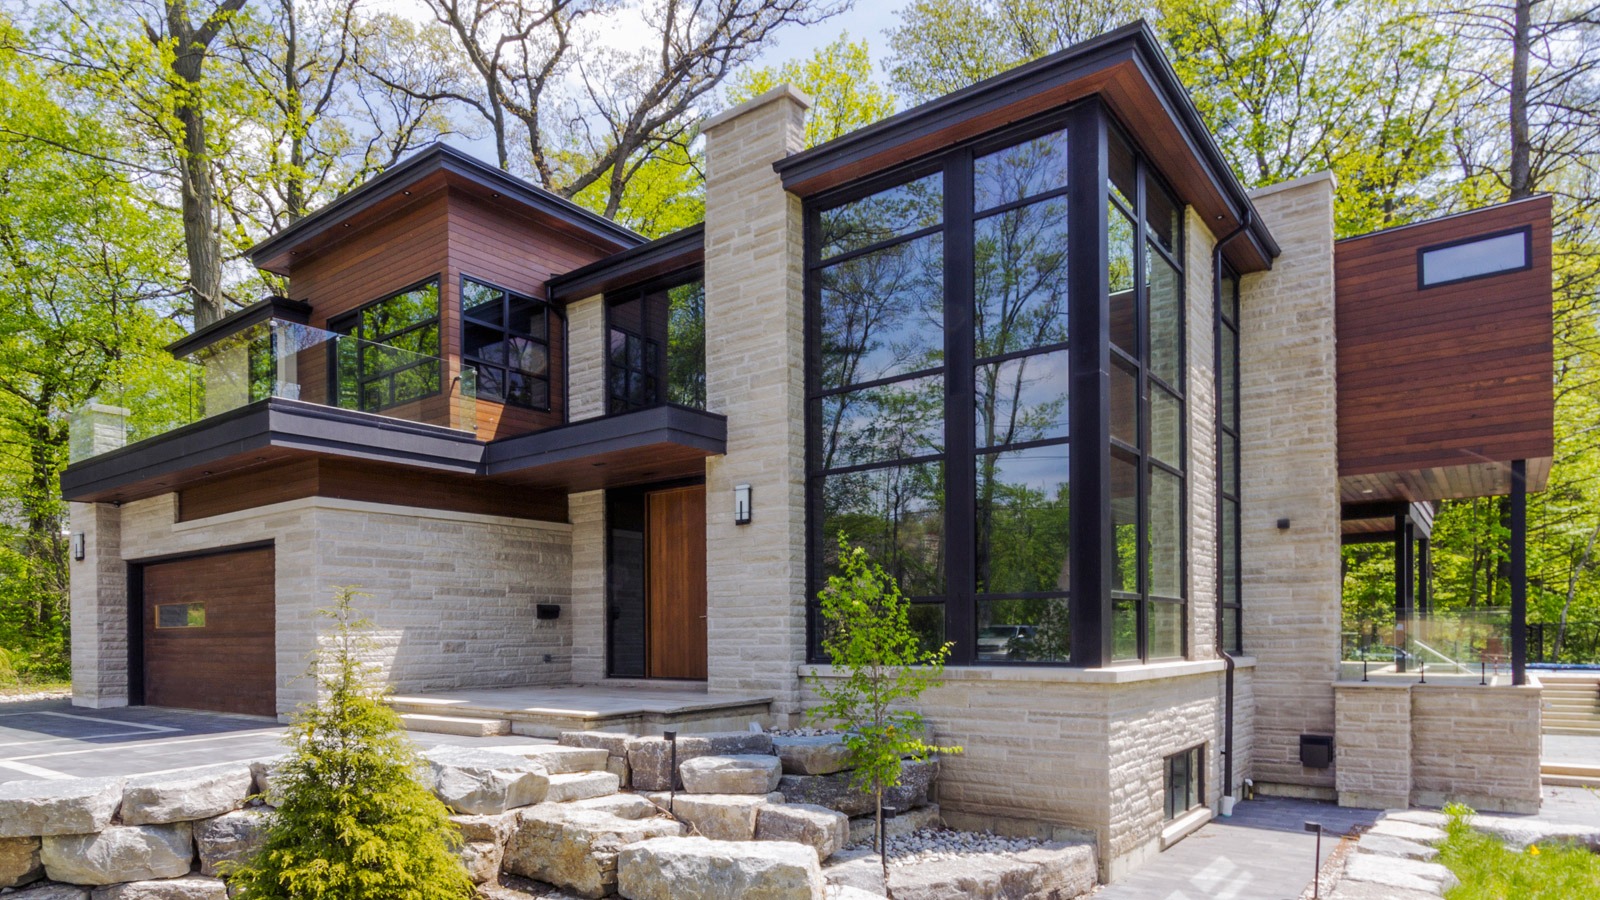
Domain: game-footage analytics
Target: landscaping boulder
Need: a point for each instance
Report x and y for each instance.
(558, 760)
(614, 743)
(822, 754)
(482, 860)
(189, 887)
(650, 758)
(703, 869)
(832, 791)
(1392, 872)
(230, 838)
(740, 774)
(496, 828)
(120, 853)
(19, 861)
(816, 826)
(576, 848)
(481, 782)
(185, 795)
(628, 806)
(862, 828)
(581, 786)
(51, 891)
(1052, 872)
(68, 806)
(722, 817)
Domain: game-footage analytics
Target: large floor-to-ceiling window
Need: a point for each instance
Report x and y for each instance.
(1229, 586)
(939, 388)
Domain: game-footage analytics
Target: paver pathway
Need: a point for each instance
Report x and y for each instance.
(51, 739)
(1261, 852)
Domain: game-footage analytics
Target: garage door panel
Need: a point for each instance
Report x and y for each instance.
(209, 637)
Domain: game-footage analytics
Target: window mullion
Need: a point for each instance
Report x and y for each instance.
(959, 469)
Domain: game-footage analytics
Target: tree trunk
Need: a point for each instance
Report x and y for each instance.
(1521, 175)
(883, 841)
(1572, 591)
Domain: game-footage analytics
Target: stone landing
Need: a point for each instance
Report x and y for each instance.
(626, 707)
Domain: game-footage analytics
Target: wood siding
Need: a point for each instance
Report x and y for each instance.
(230, 663)
(370, 482)
(1440, 387)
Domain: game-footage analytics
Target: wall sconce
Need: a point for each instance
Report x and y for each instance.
(741, 504)
(77, 545)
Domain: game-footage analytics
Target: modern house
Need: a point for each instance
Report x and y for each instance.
(1105, 414)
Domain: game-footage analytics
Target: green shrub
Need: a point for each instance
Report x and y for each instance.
(1489, 870)
(8, 672)
(353, 821)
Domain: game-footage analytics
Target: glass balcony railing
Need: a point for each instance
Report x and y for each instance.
(1450, 646)
(275, 358)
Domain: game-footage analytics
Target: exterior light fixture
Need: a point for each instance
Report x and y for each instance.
(741, 504)
(77, 545)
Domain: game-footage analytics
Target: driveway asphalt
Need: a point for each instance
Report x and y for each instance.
(51, 739)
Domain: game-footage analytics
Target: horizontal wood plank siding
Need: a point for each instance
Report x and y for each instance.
(1454, 378)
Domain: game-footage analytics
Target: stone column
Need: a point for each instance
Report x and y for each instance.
(1289, 461)
(755, 573)
(1200, 469)
(586, 359)
(99, 609)
(587, 512)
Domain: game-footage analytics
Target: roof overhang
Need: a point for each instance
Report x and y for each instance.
(1125, 68)
(419, 174)
(281, 308)
(665, 256)
(654, 444)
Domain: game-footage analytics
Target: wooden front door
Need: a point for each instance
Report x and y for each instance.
(208, 629)
(675, 529)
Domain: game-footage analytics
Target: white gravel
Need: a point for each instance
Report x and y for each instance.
(934, 844)
(27, 696)
(802, 732)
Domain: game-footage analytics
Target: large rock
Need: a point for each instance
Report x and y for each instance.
(650, 758)
(864, 828)
(496, 828)
(1392, 872)
(189, 887)
(722, 817)
(19, 861)
(628, 806)
(482, 860)
(482, 782)
(230, 839)
(822, 754)
(576, 848)
(741, 774)
(824, 829)
(703, 869)
(1052, 872)
(264, 771)
(51, 891)
(68, 806)
(581, 786)
(836, 792)
(185, 795)
(120, 853)
(614, 743)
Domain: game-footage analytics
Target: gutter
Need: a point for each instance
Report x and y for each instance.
(1228, 662)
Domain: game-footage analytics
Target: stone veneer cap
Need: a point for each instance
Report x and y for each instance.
(777, 93)
(1291, 184)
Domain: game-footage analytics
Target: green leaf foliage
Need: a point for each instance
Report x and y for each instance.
(353, 822)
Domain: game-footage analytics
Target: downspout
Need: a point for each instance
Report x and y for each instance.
(1228, 662)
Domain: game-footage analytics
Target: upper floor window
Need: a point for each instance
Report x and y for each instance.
(655, 346)
(394, 358)
(1229, 559)
(1477, 257)
(505, 339)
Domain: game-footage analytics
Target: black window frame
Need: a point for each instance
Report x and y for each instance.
(1230, 604)
(1193, 759)
(1527, 256)
(1089, 125)
(507, 295)
(339, 325)
(661, 373)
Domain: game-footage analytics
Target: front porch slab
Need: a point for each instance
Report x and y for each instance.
(630, 707)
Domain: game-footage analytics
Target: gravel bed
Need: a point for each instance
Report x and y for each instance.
(21, 696)
(934, 844)
(802, 732)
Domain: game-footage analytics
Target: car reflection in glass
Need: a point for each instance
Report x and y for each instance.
(1004, 642)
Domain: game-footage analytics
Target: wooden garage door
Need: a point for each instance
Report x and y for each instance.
(208, 633)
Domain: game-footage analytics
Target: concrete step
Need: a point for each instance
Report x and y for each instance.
(458, 725)
(1571, 731)
(581, 786)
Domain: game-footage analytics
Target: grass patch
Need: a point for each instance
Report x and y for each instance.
(1489, 870)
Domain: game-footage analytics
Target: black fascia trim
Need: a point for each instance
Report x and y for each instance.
(622, 268)
(440, 157)
(1134, 42)
(277, 422)
(1527, 256)
(260, 311)
(657, 425)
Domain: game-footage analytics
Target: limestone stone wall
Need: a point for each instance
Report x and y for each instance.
(1372, 747)
(1475, 745)
(1290, 471)
(755, 573)
(587, 512)
(100, 628)
(452, 594)
(586, 359)
(1200, 394)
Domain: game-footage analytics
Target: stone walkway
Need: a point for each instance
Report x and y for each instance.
(1571, 749)
(51, 739)
(1262, 852)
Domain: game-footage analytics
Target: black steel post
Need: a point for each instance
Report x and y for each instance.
(1519, 571)
(672, 775)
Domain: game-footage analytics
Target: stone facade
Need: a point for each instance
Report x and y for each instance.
(452, 595)
(586, 359)
(1200, 396)
(755, 573)
(1373, 745)
(1290, 464)
(587, 513)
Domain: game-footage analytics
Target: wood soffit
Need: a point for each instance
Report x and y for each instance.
(1124, 68)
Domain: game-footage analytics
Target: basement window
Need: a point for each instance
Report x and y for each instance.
(1476, 257)
(1185, 781)
(181, 615)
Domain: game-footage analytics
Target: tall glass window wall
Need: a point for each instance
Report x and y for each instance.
(938, 390)
(1229, 588)
(656, 346)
